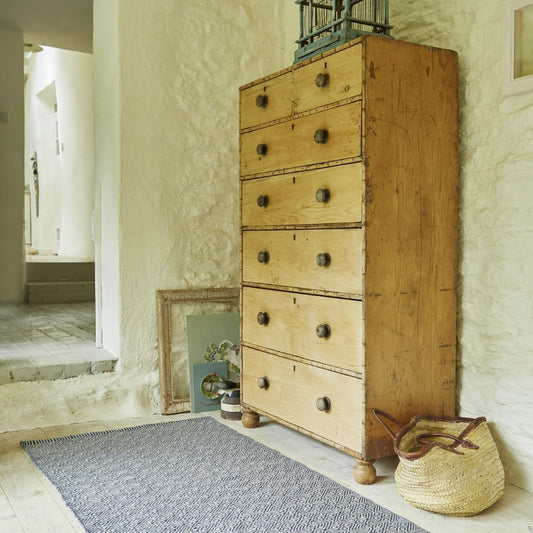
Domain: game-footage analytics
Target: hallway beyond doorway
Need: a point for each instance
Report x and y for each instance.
(49, 341)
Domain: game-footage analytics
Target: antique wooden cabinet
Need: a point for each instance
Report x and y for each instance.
(348, 172)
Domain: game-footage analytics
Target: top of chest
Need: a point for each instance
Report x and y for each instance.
(388, 69)
(323, 81)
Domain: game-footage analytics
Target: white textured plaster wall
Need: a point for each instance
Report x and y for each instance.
(495, 333)
(66, 181)
(11, 167)
(166, 78)
(76, 119)
(182, 64)
(40, 139)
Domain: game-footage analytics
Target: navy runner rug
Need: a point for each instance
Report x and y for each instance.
(198, 475)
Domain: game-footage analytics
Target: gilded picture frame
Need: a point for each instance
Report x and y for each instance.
(172, 307)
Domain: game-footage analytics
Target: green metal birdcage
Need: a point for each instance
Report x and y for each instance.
(325, 24)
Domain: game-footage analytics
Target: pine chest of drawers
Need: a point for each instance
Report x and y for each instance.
(348, 172)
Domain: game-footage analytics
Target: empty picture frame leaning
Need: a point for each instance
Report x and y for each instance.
(173, 306)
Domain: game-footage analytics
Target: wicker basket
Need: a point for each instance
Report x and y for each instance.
(449, 466)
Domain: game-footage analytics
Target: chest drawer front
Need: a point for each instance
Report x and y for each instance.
(292, 144)
(299, 258)
(270, 100)
(292, 393)
(324, 196)
(328, 80)
(295, 322)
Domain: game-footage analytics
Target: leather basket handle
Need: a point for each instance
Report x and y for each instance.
(378, 414)
(458, 441)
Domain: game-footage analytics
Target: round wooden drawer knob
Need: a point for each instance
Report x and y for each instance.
(261, 149)
(321, 136)
(323, 260)
(263, 382)
(263, 257)
(261, 100)
(322, 80)
(262, 200)
(262, 318)
(322, 196)
(323, 404)
(323, 331)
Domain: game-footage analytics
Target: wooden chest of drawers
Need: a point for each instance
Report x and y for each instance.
(348, 167)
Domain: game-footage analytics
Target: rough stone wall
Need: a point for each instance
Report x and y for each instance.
(495, 322)
(179, 183)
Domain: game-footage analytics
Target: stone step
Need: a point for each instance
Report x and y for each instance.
(61, 365)
(39, 292)
(60, 271)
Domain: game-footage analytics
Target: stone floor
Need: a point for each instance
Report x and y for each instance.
(49, 341)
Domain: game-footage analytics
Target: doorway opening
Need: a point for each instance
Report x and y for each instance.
(54, 335)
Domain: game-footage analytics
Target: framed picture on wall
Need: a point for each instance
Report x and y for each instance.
(518, 47)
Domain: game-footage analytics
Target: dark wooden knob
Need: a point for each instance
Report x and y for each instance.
(321, 136)
(323, 260)
(263, 257)
(322, 80)
(261, 100)
(263, 382)
(323, 331)
(262, 200)
(322, 195)
(261, 149)
(323, 404)
(262, 318)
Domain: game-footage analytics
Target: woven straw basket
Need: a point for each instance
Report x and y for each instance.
(449, 466)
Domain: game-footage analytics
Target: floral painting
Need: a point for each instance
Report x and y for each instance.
(225, 351)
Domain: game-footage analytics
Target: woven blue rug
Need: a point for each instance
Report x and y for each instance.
(198, 475)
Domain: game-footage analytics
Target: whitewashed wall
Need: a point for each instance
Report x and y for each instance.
(496, 216)
(181, 66)
(66, 180)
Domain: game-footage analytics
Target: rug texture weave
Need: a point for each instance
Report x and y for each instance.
(198, 475)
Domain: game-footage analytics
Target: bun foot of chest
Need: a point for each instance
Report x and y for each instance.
(364, 472)
(249, 418)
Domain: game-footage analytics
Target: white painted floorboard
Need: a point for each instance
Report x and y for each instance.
(30, 504)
